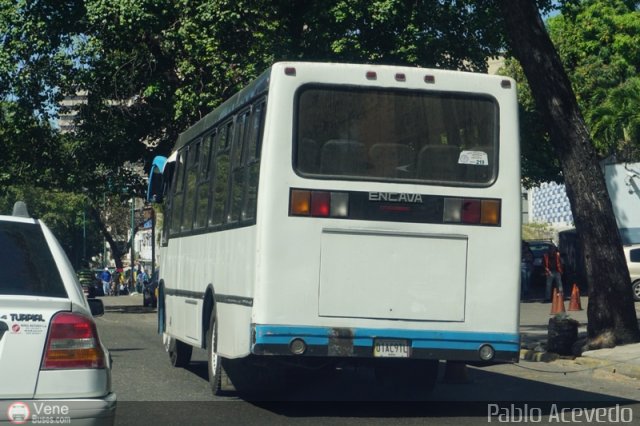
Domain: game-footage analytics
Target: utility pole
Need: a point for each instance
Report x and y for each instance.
(133, 225)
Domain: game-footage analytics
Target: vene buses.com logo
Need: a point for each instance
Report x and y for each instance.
(18, 413)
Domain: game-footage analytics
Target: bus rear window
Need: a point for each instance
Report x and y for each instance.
(389, 135)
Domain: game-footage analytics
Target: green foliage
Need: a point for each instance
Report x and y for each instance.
(152, 67)
(64, 213)
(599, 42)
(539, 163)
(537, 231)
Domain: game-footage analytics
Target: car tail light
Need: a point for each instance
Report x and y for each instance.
(72, 343)
(303, 202)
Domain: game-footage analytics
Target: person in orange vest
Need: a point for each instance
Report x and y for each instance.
(553, 270)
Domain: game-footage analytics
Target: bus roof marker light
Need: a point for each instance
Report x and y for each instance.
(401, 77)
(452, 210)
(300, 204)
(430, 79)
(505, 84)
(371, 75)
(290, 71)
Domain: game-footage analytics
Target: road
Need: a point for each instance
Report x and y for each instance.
(150, 391)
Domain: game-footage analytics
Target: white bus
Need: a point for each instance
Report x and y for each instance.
(339, 212)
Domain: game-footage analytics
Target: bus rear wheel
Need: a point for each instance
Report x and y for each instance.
(218, 379)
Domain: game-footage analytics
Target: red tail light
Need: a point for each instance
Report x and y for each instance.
(471, 211)
(320, 203)
(72, 343)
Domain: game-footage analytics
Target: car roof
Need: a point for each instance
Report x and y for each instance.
(20, 219)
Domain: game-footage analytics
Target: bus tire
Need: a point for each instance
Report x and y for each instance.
(179, 352)
(218, 379)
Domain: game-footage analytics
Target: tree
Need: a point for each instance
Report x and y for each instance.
(611, 311)
(152, 67)
(538, 162)
(599, 43)
(66, 214)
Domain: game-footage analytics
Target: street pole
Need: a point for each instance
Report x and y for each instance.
(153, 241)
(104, 240)
(133, 206)
(84, 236)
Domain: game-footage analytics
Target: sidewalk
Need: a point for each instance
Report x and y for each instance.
(132, 299)
(534, 319)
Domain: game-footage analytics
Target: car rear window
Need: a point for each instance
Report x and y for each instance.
(27, 267)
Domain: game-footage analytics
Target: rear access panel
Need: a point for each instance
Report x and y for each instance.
(388, 275)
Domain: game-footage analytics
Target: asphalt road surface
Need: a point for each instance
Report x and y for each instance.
(152, 392)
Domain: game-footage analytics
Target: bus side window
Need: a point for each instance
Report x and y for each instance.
(204, 183)
(178, 193)
(190, 191)
(167, 182)
(252, 157)
(221, 174)
(238, 178)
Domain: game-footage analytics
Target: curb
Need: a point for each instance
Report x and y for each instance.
(535, 356)
(611, 366)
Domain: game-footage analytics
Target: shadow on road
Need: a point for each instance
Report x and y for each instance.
(129, 309)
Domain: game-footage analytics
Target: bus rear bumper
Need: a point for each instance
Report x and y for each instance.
(361, 342)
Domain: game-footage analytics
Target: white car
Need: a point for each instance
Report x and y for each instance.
(632, 254)
(53, 365)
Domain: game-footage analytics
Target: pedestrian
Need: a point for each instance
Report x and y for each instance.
(526, 269)
(552, 270)
(140, 280)
(115, 281)
(105, 277)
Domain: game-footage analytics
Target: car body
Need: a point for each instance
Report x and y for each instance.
(539, 248)
(632, 255)
(51, 357)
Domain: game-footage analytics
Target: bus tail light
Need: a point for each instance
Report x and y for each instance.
(300, 203)
(490, 212)
(471, 211)
(318, 203)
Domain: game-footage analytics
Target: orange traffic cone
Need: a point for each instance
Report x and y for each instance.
(557, 302)
(574, 304)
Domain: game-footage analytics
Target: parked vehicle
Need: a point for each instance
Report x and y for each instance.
(632, 254)
(50, 350)
(539, 248)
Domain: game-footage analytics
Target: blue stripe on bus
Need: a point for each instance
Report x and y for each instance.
(420, 339)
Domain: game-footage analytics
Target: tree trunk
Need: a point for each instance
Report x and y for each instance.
(611, 310)
(115, 251)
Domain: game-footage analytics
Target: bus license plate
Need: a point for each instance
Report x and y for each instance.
(388, 348)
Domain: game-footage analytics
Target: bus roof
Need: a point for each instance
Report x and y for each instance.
(253, 89)
(261, 85)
